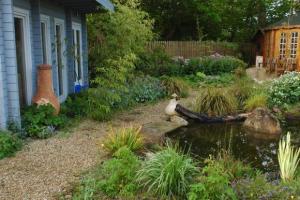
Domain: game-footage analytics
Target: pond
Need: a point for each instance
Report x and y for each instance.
(260, 150)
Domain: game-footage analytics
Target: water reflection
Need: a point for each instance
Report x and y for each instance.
(260, 150)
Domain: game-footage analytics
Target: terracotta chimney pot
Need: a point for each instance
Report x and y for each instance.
(45, 93)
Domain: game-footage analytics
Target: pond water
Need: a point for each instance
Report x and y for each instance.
(260, 150)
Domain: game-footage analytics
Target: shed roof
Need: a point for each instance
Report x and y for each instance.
(87, 6)
(293, 20)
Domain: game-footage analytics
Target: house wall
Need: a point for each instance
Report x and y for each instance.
(3, 87)
(9, 65)
(9, 94)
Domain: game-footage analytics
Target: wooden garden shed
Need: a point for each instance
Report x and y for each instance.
(278, 44)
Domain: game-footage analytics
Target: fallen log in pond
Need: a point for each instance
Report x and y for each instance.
(203, 118)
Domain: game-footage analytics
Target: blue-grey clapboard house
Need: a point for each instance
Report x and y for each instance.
(34, 32)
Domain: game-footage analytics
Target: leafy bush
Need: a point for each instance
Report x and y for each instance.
(256, 101)
(146, 89)
(41, 121)
(167, 173)
(215, 102)
(285, 90)
(288, 158)
(175, 85)
(129, 137)
(212, 184)
(9, 144)
(157, 63)
(116, 38)
(118, 174)
(214, 66)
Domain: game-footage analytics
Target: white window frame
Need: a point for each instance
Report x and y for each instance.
(25, 16)
(46, 20)
(282, 45)
(77, 27)
(61, 22)
(294, 44)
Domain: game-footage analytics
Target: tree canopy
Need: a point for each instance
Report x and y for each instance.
(230, 20)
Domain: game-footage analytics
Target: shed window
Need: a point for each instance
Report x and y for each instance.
(294, 44)
(282, 46)
(44, 44)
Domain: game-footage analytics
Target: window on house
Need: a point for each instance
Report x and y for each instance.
(59, 55)
(77, 44)
(282, 46)
(44, 42)
(294, 44)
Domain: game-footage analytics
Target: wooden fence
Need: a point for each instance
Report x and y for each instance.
(190, 49)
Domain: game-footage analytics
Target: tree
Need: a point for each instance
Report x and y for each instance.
(230, 20)
(115, 38)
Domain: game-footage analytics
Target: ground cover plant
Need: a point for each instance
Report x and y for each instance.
(9, 144)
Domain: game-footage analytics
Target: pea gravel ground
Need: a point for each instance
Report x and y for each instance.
(46, 168)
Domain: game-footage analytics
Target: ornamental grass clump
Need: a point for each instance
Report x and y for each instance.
(175, 85)
(256, 101)
(215, 102)
(288, 158)
(167, 173)
(129, 137)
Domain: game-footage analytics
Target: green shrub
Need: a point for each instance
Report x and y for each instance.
(118, 174)
(9, 144)
(215, 102)
(256, 101)
(285, 90)
(167, 173)
(213, 183)
(146, 89)
(214, 66)
(129, 137)
(175, 85)
(41, 121)
(157, 63)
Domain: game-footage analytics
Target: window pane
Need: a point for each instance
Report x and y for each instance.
(59, 58)
(78, 48)
(43, 40)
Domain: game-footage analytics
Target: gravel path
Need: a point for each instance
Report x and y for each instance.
(45, 168)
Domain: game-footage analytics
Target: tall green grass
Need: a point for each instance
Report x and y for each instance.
(175, 85)
(167, 173)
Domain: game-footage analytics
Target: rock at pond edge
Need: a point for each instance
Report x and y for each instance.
(261, 120)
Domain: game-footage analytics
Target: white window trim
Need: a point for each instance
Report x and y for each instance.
(46, 19)
(77, 26)
(58, 21)
(24, 15)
